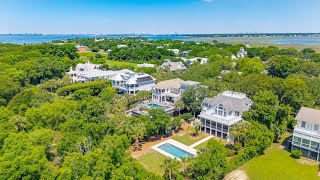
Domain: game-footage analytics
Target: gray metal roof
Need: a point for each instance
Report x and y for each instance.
(309, 115)
(230, 103)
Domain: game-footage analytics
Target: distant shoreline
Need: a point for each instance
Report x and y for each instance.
(281, 40)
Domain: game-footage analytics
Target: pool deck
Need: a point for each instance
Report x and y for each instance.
(184, 147)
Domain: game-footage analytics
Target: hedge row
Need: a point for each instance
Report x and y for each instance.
(95, 86)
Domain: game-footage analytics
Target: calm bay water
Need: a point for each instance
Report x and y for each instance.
(35, 39)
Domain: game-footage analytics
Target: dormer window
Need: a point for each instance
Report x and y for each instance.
(303, 124)
(316, 127)
(237, 113)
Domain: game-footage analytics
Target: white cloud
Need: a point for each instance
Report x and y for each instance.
(208, 1)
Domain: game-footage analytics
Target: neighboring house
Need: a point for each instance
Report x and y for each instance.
(185, 53)
(122, 46)
(131, 83)
(109, 50)
(224, 72)
(306, 134)
(176, 51)
(99, 40)
(174, 67)
(242, 53)
(171, 90)
(218, 114)
(89, 72)
(146, 65)
(82, 49)
(193, 60)
(204, 61)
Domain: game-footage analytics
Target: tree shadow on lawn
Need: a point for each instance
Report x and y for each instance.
(286, 143)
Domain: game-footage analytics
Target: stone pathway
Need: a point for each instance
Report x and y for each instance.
(201, 141)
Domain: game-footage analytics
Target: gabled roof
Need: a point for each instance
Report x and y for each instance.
(131, 81)
(117, 77)
(172, 83)
(174, 66)
(309, 115)
(229, 102)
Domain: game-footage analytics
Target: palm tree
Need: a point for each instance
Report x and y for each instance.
(239, 131)
(179, 105)
(197, 124)
(171, 167)
(137, 131)
(186, 164)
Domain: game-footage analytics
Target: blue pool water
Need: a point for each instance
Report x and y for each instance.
(175, 151)
(156, 106)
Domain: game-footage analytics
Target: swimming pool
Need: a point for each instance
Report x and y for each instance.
(156, 106)
(174, 151)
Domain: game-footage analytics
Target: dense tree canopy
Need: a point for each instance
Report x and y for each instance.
(51, 128)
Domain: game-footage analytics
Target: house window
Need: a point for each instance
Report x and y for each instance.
(297, 140)
(316, 127)
(237, 113)
(303, 124)
(221, 111)
(305, 143)
(314, 145)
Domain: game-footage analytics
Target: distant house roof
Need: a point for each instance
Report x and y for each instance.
(309, 115)
(172, 83)
(176, 51)
(191, 83)
(122, 46)
(186, 52)
(174, 66)
(231, 101)
(146, 65)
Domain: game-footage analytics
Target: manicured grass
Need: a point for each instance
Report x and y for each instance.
(113, 64)
(277, 164)
(152, 161)
(188, 139)
(85, 56)
(202, 145)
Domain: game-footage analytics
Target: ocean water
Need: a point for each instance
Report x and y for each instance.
(35, 39)
(277, 40)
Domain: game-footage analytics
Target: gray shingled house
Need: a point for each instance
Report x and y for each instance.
(222, 111)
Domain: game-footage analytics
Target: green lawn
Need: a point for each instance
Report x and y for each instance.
(204, 144)
(152, 161)
(85, 56)
(188, 139)
(277, 164)
(120, 64)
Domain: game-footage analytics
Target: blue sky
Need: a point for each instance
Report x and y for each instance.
(159, 16)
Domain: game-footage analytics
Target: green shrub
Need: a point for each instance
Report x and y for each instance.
(296, 154)
(237, 146)
(95, 86)
(82, 93)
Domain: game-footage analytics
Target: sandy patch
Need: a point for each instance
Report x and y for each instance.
(236, 175)
(307, 162)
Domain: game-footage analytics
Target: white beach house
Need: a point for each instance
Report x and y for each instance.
(222, 111)
(170, 91)
(125, 81)
(306, 134)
